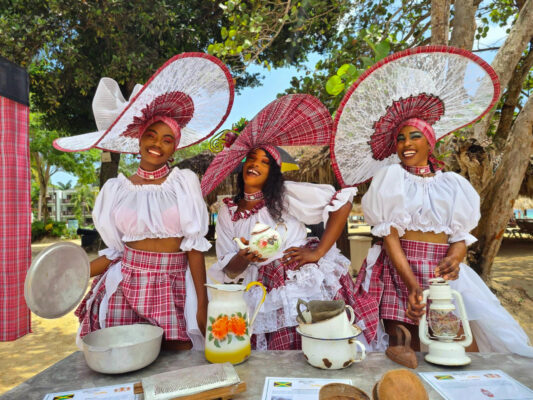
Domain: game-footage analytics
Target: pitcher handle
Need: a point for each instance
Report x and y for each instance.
(254, 283)
(356, 344)
(352, 313)
(300, 314)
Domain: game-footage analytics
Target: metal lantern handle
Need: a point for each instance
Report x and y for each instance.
(464, 318)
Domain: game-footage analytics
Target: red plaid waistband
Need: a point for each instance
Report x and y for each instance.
(153, 261)
(423, 250)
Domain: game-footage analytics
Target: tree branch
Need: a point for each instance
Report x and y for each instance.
(511, 101)
(486, 49)
(507, 58)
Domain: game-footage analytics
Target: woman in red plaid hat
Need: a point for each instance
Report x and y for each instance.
(303, 269)
(391, 118)
(154, 222)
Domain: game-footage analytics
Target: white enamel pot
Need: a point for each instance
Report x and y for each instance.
(123, 348)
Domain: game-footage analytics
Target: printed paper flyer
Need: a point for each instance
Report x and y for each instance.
(296, 388)
(115, 392)
(477, 385)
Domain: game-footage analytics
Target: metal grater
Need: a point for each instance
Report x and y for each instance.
(187, 381)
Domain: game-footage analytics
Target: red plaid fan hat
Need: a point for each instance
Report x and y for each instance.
(438, 89)
(192, 93)
(291, 120)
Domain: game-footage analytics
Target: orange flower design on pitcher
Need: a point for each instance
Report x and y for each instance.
(220, 327)
(237, 325)
(224, 329)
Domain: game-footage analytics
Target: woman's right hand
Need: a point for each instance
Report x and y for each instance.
(250, 256)
(415, 308)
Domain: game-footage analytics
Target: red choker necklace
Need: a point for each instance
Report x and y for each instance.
(152, 175)
(425, 170)
(253, 196)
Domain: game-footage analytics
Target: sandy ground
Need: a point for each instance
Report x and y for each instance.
(53, 340)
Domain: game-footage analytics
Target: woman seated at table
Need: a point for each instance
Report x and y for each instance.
(306, 269)
(424, 215)
(154, 222)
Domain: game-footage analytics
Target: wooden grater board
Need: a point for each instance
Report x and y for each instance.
(224, 393)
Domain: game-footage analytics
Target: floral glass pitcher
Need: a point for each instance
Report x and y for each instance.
(228, 324)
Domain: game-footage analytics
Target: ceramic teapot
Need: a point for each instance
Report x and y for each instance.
(229, 326)
(263, 239)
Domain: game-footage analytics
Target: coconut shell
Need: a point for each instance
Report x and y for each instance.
(399, 384)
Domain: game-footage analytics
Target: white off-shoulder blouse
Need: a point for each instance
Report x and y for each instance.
(126, 212)
(304, 203)
(445, 202)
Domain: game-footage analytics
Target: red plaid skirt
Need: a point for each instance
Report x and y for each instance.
(274, 275)
(152, 291)
(387, 295)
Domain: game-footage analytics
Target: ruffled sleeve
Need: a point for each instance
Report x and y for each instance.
(465, 213)
(103, 221)
(311, 203)
(225, 245)
(194, 219)
(384, 202)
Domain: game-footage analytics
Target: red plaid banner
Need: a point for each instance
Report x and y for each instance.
(152, 291)
(292, 120)
(15, 219)
(387, 295)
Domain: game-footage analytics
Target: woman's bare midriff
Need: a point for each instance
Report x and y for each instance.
(165, 245)
(429, 237)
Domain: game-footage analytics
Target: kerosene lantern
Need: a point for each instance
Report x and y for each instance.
(445, 346)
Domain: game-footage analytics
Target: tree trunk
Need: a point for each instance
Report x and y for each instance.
(440, 17)
(507, 59)
(498, 204)
(109, 169)
(464, 24)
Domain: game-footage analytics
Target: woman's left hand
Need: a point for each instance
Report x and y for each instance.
(302, 255)
(448, 268)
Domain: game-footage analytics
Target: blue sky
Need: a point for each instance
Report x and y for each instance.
(251, 100)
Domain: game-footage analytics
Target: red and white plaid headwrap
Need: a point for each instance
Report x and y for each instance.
(291, 120)
(424, 127)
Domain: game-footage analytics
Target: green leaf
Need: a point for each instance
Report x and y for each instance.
(210, 328)
(239, 338)
(367, 62)
(232, 33)
(239, 314)
(382, 50)
(211, 319)
(224, 33)
(346, 69)
(334, 85)
(229, 339)
(217, 343)
(210, 337)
